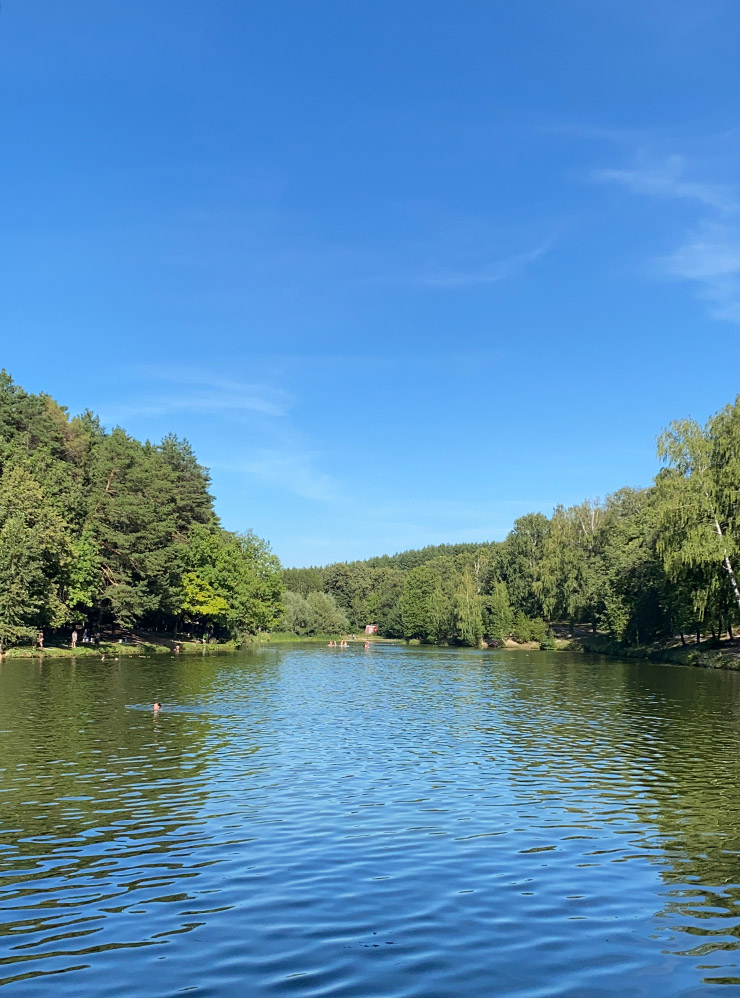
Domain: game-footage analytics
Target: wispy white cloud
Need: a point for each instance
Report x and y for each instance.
(500, 270)
(710, 259)
(578, 130)
(666, 180)
(709, 255)
(289, 470)
(201, 392)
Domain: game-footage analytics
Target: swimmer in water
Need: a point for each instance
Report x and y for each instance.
(157, 706)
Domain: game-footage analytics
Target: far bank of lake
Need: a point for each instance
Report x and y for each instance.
(709, 654)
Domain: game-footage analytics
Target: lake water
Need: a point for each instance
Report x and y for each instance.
(398, 822)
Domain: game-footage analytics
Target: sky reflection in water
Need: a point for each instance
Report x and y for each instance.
(404, 822)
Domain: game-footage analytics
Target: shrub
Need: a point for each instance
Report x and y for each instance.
(548, 643)
(537, 629)
(522, 628)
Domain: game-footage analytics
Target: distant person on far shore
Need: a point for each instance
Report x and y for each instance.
(40, 640)
(96, 639)
(85, 637)
(74, 638)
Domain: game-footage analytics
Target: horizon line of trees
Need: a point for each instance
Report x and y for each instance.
(99, 529)
(642, 565)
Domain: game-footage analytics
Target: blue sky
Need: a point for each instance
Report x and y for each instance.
(400, 272)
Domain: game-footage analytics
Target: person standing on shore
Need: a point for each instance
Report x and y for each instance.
(74, 638)
(40, 640)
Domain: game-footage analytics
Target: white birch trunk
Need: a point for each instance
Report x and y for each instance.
(728, 566)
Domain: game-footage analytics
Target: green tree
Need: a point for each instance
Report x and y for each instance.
(698, 497)
(241, 570)
(521, 559)
(200, 600)
(498, 617)
(426, 604)
(33, 548)
(468, 610)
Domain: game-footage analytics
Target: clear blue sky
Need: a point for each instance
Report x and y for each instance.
(400, 271)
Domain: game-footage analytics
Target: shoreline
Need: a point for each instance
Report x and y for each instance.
(707, 655)
(150, 645)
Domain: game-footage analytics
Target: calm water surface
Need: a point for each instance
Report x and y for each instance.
(399, 822)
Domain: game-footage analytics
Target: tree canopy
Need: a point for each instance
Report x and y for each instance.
(642, 564)
(98, 528)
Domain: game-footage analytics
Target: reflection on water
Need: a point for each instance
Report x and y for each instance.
(406, 822)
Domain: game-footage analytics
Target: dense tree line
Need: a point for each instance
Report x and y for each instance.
(642, 565)
(97, 528)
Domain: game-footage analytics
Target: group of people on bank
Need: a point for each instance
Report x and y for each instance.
(345, 644)
(87, 638)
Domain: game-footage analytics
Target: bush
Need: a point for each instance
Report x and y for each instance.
(548, 643)
(537, 629)
(522, 628)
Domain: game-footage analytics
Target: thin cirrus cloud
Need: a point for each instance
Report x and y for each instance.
(287, 470)
(201, 393)
(709, 256)
(666, 181)
(499, 270)
(710, 259)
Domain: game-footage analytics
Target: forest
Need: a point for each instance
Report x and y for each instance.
(642, 565)
(100, 530)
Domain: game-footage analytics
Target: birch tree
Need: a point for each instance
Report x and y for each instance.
(699, 494)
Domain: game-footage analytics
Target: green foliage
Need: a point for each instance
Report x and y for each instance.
(427, 611)
(521, 560)
(98, 526)
(201, 600)
(528, 629)
(548, 643)
(316, 613)
(468, 610)
(537, 629)
(241, 573)
(697, 499)
(498, 616)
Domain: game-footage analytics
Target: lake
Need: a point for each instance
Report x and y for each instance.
(305, 821)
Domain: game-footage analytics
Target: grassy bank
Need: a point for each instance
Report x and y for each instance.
(707, 655)
(145, 644)
(134, 648)
(288, 637)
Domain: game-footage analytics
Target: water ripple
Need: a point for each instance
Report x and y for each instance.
(408, 822)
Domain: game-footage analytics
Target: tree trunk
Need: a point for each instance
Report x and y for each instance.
(729, 631)
(698, 636)
(733, 580)
(728, 566)
(683, 639)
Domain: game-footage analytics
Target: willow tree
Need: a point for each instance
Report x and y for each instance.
(570, 581)
(698, 498)
(468, 609)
